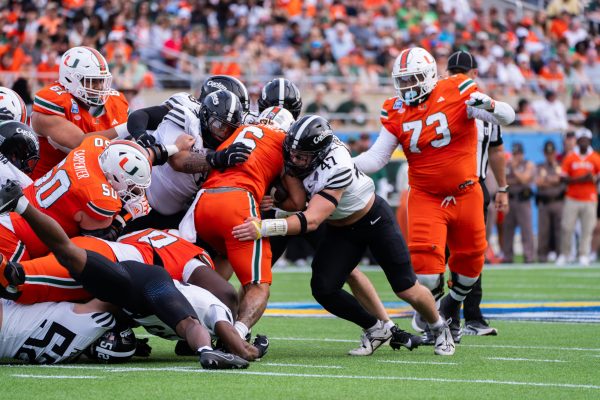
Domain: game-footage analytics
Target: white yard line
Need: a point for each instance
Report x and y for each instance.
(495, 267)
(56, 376)
(417, 362)
(302, 365)
(524, 359)
(322, 376)
(499, 346)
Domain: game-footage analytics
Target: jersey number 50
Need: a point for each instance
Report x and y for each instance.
(417, 127)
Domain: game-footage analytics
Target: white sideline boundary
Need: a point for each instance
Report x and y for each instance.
(302, 365)
(324, 376)
(524, 359)
(417, 362)
(56, 376)
(488, 267)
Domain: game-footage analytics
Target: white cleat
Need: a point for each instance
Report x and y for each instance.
(561, 261)
(372, 339)
(444, 344)
(584, 261)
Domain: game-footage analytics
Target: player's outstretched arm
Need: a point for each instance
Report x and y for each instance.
(483, 107)
(234, 343)
(379, 154)
(62, 134)
(145, 119)
(45, 227)
(319, 208)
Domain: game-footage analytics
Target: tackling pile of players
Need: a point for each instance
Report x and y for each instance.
(127, 213)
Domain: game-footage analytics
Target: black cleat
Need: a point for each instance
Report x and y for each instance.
(215, 359)
(402, 338)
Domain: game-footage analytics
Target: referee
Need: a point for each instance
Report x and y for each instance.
(490, 150)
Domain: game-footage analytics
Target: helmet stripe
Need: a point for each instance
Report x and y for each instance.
(404, 58)
(302, 128)
(232, 107)
(281, 91)
(243, 87)
(100, 58)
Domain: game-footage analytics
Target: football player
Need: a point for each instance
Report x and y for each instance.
(12, 106)
(83, 193)
(48, 333)
(283, 93)
(434, 121)
(230, 196)
(19, 152)
(81, 102)
(139, 288)
(357, 219)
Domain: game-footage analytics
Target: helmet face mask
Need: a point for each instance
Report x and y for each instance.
(414, 75)
(220, 116)
(95, 90)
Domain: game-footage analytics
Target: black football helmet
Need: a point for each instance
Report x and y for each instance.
(19, 144)
(226, 82)
(283, 93)
(220, 116)
(116, 345)
(306, 145)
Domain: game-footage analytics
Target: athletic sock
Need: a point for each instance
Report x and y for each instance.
(242, 329)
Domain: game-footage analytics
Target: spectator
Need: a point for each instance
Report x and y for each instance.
(509, 74)
(353, 111)
(576, 33)
(525, 114)
(550, 112)
(50, 21)
(580, 170)
(550, 199)
(578, 81)
(340, 39)
(591, 68)
(48, 68)
(519, 176)
(552, 76)
(576, 115)
(319, 105)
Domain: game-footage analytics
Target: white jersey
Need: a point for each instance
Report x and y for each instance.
(488, 134)
(337, 171)
(48, 333)
(208, 307)
(9, 171)
(184, 112)
(171, 191)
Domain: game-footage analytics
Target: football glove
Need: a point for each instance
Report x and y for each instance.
(482, 101)
(146, 140)
(235, 154)
(137, 208)
(142, 348)
(261, 342)
(10, 194)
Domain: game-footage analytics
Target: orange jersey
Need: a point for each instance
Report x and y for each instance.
(263, 166)
(576, 165)
(55, 100)
(76, 184)
(166, 250)
(438, 138)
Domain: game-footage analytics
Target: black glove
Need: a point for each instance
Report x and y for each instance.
(235, 154)
(6, 114)
(110, 233)
(146, 140)
(142, 348)
(10, 193)
(261, 342)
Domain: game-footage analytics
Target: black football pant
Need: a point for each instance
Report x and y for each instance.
(342, 249)
(138, 288)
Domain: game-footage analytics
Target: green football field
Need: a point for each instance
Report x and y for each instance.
(548, 347)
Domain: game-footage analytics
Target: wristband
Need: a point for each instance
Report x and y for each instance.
(122, 131)
(271, 227)
(503, 189)
(22, 204)
(171, 149)
(303, 222)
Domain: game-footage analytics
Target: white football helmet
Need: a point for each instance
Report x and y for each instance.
(277, 117)
(12, 106)
(414, 75)
(83, 71)
(127, 169)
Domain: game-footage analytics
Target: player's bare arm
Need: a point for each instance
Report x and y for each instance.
(234, 343)
(319, 208)
(62, 133)
(498, 166)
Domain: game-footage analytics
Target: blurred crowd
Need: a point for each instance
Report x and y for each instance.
(320, 40)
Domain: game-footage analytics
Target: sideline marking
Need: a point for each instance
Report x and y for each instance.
(303, 365)
(55, 376)
(524, 359)
(417, 362)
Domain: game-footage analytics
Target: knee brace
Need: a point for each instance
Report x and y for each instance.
(433, 282)
(460, 285)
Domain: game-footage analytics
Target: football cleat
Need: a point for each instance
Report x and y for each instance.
(479, 327)
(372, 339)
(215, 359)
(444, 344)
(455, 330)
(402, 338)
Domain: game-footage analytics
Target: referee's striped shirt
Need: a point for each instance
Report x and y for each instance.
(487, 135)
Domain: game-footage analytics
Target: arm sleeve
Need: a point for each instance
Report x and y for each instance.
(379, 154)
(503, 114)
(145, 119)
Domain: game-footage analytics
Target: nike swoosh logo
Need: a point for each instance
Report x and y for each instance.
(375, 220)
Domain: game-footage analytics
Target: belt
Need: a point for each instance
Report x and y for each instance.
(224, 189)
